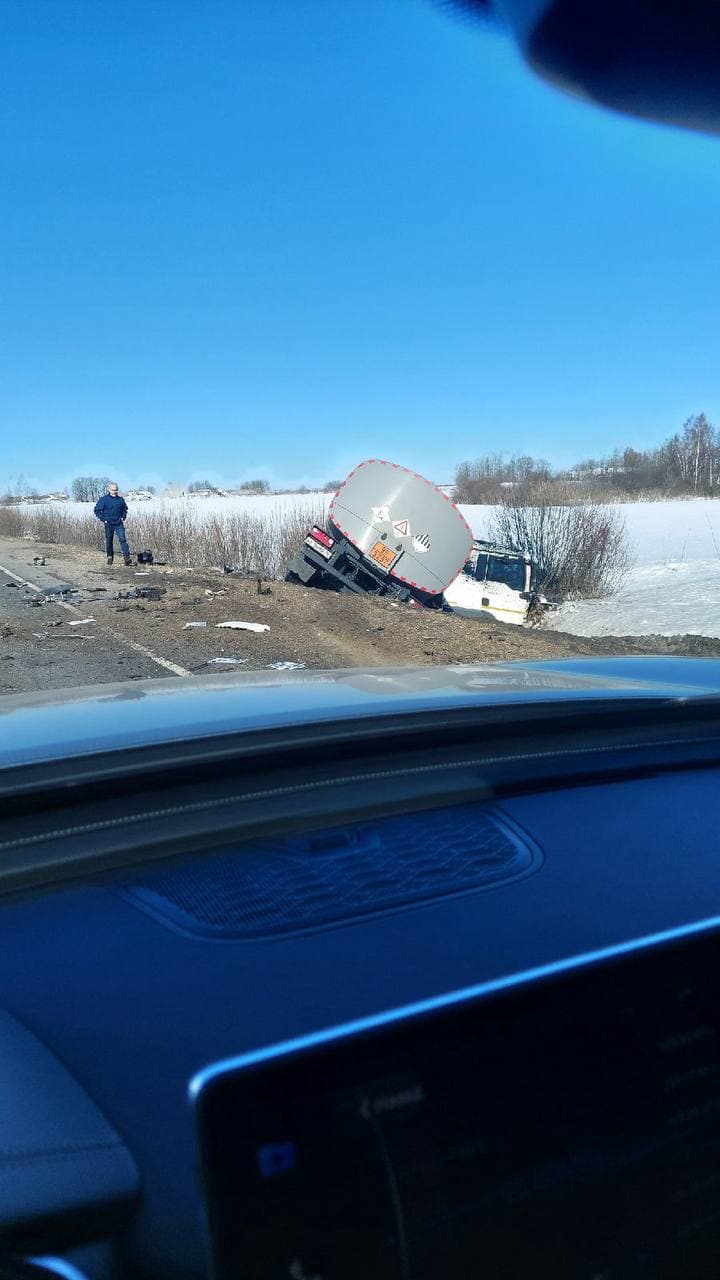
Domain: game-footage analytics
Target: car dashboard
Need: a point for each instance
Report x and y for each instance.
(423, 985)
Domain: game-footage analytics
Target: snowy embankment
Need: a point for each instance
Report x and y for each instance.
(674, 585)
(672, 589)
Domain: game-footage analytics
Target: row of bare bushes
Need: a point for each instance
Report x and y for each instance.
(179, 534)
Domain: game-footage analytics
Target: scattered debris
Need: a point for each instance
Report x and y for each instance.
(228, 568)
(15, 585)
(142, 573)
(145, 557)
(57, 622)
(261, 590)
(142, 593)
(41, 635)
(235, 662)
(79, 622)
(285, 666)
(244, 626)
(194, 624)
(5, 632)
(38, 559)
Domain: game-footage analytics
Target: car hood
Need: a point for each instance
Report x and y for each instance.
(58, 724)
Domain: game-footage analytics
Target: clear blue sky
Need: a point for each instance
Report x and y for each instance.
(277, 236)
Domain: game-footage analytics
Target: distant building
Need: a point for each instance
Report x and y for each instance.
(173, 491)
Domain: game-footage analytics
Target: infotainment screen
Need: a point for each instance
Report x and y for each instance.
(568, 1128)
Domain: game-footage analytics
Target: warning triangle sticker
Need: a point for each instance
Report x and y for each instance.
(401, 528)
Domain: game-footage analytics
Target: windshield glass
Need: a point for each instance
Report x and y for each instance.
(351, 266)
(510, 572)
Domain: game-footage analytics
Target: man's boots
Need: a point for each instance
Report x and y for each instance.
(127, 560)
(110, 559)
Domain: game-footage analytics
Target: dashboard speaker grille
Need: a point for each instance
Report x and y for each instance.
(292, 883)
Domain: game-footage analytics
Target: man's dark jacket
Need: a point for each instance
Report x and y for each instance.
(111, 510)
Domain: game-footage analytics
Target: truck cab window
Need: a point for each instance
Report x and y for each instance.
(509, 572)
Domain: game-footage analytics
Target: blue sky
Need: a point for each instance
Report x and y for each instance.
(275, 237)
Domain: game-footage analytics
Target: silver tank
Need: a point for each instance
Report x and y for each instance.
(403, 524)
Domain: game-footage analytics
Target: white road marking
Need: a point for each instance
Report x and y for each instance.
(23, 581)
(116, 635)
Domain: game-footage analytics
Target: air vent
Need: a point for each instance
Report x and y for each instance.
(293, 883)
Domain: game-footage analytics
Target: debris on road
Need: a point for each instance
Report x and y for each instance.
(285, 666)
(79, 622)
(187, 625)
(142, 593)
(11, 584)
(244, 626)
(239, 662)
(38, 560)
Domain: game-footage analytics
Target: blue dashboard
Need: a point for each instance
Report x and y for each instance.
(121, 984)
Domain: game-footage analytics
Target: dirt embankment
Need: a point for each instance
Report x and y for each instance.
(314, 628)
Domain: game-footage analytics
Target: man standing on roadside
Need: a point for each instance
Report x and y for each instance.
(112, 510)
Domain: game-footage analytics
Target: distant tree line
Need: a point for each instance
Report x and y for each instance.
(688, 463)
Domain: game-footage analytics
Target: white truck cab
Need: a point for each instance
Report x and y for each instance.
(495, 581)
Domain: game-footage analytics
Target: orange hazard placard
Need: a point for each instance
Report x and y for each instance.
(382, 554)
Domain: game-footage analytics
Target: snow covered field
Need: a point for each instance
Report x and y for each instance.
(673, 588)
(201, 508)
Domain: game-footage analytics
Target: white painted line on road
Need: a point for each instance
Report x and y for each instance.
(117, 635)
(154, 657)
(23, 581)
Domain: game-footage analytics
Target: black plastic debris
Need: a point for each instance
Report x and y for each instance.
(142, 593)
(145, 557)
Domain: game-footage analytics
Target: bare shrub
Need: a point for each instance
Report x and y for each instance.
(11, 523)
(581, 549)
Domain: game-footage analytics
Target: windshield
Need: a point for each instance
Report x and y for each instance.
(498, 569)
(352, 268)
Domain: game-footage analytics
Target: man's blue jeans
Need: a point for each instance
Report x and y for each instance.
(110, 531)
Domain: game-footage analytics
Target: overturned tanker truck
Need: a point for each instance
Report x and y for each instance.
(390, 532)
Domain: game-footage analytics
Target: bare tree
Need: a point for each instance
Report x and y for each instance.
(88, 488)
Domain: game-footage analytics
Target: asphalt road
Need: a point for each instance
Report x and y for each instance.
(36, 655)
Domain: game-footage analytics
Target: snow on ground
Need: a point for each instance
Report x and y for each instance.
(673, 587)
(255, 504)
